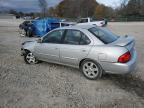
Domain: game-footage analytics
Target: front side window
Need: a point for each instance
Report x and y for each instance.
(76, 37)
(83, 21)
(53, 37)
(104, 35)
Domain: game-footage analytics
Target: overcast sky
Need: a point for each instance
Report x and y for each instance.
(25, 5)
(32, 5)
(112, 3)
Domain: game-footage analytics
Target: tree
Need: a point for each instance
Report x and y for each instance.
(81, 8)
(131, 8)
(52, 12)
(43, 5)
(142, 8)
(100, 12)
(76, 8)
(88, 7)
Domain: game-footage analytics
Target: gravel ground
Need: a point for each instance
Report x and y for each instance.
(47, 85)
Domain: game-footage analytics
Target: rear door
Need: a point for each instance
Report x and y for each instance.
(75, 46)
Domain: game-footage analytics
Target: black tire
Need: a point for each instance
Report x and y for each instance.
(29, 54)
(29, 33)
(93, 72)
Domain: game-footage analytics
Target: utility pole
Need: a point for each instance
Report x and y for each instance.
(43, 5)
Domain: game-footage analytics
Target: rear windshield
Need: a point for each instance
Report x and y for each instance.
(104, 35)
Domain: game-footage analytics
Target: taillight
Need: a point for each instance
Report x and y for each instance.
(125, 57)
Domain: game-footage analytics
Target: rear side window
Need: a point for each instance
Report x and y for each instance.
(76, 37)
(72, 37)
(84, 39)
(104, 35)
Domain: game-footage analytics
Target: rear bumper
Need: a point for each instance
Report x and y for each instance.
(119, 68)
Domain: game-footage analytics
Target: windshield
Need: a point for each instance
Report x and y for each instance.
(104, 35)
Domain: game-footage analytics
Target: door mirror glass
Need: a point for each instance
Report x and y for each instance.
(39, 40)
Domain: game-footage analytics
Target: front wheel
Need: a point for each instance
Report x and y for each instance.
(30, 58)
(91, 70)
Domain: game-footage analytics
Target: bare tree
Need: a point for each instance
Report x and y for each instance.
(43, 5)
(124, 3)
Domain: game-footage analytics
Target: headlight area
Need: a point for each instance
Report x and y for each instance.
(22, 52)
(23, 43)
(26, 42)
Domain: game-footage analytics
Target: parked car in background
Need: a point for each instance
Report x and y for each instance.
(26, 28)
(89, 21)
(65, 23)
(92, 49)
(39, 27)
(25, 23)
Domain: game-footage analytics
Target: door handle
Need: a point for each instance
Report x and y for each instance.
(83, 50)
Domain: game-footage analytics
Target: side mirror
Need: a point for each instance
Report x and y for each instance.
(39, 40)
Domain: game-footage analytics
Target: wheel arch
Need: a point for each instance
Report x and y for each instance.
(80, 63)
(27, 50)
(86, 59)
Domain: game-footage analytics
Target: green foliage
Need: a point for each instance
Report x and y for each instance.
(129, 10)
(81, 8)
(134, 8)
(76, 8)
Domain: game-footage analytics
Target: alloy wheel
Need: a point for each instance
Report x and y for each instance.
(90, 69)
(31, 59)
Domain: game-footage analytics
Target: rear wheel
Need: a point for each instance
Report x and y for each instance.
(30, 58)
(91, 69)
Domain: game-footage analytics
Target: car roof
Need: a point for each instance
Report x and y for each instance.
(78, 27)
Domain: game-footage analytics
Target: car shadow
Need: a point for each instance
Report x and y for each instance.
(59, 66)
(130, 83)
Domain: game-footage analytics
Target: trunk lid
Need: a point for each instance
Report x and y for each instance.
(126, 41)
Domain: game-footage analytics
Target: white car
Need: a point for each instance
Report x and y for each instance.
(63, 24)
(89, 21)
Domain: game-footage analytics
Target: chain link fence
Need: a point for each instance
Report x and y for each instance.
(126, 19)
(118, 19)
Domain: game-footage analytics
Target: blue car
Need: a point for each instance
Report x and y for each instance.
(43, 26)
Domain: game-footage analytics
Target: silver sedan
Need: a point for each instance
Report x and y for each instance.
(92, 49)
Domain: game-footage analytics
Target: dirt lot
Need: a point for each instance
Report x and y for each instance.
(53, 86)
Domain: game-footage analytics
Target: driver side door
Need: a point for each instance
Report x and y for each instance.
(48, 49)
